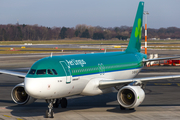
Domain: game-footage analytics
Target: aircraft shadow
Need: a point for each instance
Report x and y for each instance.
(77, 103)
(6, 101)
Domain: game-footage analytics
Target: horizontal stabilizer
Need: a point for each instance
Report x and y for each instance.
(157, 59)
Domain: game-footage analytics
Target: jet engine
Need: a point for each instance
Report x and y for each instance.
(19, 95)
(130, 96)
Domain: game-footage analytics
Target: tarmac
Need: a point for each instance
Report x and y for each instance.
(162, 100)
(96, 113)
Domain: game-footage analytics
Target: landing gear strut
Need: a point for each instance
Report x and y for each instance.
(57, 102)
(54, 103)
(62, 101)
(49, 112)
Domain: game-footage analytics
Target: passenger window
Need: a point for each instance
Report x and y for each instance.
(32, 71)
(41, 72)
(49, 72)
(54, 71)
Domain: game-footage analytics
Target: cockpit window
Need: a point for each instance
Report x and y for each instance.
(32, 71)
(49, 72)
(41, 72)
(54, 71)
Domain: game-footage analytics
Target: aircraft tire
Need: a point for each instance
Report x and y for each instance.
(47, 115)
(63, 102)
(51, 114)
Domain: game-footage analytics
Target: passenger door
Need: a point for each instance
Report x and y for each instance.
(67, 71)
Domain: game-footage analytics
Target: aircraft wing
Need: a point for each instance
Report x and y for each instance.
(157, 59)
(18, 74)
(112, 83)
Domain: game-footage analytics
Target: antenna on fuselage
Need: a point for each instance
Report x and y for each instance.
(51, 54)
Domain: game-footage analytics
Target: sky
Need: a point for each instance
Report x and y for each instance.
(104, 13)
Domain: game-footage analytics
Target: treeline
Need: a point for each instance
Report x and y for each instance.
(34, 32)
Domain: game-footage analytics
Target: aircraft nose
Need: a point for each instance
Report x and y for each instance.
(32, 87)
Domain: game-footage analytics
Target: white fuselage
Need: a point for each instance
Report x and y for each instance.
(57, 87)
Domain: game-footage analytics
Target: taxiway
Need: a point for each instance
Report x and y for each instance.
(162, 99)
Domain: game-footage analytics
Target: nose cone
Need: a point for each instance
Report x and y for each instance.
(33, 87)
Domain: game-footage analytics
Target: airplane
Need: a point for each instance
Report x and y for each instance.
(54, 78)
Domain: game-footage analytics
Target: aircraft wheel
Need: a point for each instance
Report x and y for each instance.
(46, 115)
(63, 102)
(49, 114)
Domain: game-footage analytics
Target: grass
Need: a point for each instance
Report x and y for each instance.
(64, 42)
(85, 41)
(6, 50)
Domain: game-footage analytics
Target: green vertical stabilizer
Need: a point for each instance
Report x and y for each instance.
(135, 39)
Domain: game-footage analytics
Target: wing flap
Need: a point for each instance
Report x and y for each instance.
(18, 74)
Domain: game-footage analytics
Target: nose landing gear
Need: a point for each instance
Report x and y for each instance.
(55, 103)
(49, 112)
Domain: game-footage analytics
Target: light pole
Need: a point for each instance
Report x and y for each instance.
(146, 13)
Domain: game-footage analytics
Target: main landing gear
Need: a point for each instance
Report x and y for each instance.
(54, 103)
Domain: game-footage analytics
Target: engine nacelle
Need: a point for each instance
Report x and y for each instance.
(130, 96)
(19, 95)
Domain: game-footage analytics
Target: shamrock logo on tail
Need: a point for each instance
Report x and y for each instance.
(138, 30)
(138, 35)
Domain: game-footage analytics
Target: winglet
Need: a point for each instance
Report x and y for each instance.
(135, 39)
